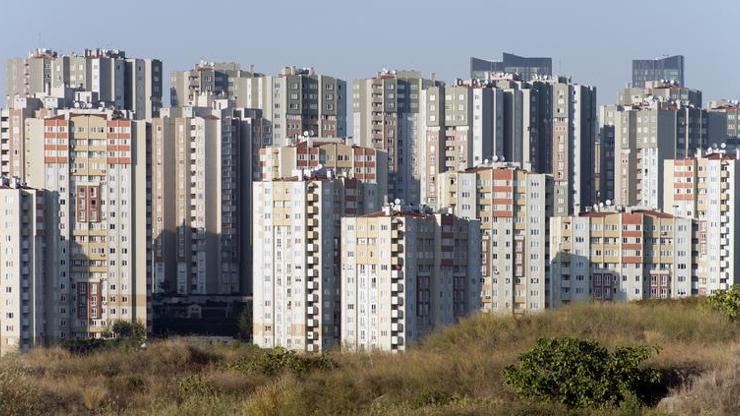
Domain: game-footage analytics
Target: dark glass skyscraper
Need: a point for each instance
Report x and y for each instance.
(527, 68)
(669, 68)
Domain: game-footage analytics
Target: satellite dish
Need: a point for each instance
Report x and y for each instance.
(502, 158)
(609, 202)
(601, 205)
(723, 145)
(305, 133)
(311, 133)
(495, 159)
(397, 201)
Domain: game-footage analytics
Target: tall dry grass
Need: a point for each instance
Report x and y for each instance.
(456, 371)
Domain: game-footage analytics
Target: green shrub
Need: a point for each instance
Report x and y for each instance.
(133, 331)
(195, 386)
(726, 302)
(582, 373)
(276, 360)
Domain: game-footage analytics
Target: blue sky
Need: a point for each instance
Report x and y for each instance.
(593, 41)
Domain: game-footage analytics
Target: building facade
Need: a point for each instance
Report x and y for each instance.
(527, 68)
(513, 206)
(627, 255)
(22, 255)
(367, 164)
(201, 168)
(405, 274)
(109, 77)
(92, 167)
(706, 188)
(669, 68)
(297, 269)
(387, 116)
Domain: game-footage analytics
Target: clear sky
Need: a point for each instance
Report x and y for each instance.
(591, 40)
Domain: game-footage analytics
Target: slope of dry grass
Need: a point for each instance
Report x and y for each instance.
(456, 371)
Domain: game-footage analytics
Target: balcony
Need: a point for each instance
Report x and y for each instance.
(312, 323)
(312, 310)
(312, 197)
(396, 287)
(397, 340)
(311, 247)
(396, 274)
(397, 301)
(312, 273)
(396, 327)
(396, 248)
(396, 261)
(397, 313)
(312, 335)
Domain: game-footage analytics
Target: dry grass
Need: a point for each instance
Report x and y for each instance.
(456, 371)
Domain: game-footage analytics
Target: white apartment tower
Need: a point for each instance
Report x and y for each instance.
(296, 223)
(22, 255)
(405, 274)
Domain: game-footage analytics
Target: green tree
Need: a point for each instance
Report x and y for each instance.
(726, 302)
(132, 331)
(582, 373)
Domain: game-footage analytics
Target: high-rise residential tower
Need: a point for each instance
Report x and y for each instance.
(92, 166)
(387, 116)
(108, 76)
(707, 189)
(513, 206)
(22, 256)
(202, 165)
(297, 264)
(404, 274)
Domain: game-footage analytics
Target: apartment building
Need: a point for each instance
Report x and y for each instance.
(111, 79)
(22, 254)
(462, 125)
(13, 146)
(667, 68)
(404, 274)
(660, 90)
(93, 168)
(367, 164)
(706, 188)
(386, 112)
(644, 136)
(296, 101)
(527, 68)
(614, 255)
(227, 80)
(202, 162)
(512, 206)
(297, 234)
(724, 122)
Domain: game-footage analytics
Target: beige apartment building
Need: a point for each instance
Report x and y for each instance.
(387, 113)
(366, 164)
(706, 188)
(297, 234)
(202, 162)
(13, 146)
(92, 165)
(513, 207)
(22, 255)
(107, 75)
(612, 255)
(404, 274)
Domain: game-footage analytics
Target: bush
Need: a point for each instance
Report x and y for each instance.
(582, 373)
(276, 360)
(133, 331)
(726, 302)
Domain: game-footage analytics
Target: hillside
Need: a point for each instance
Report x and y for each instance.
(456, 371)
